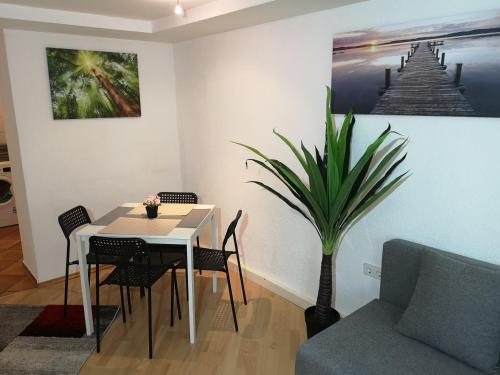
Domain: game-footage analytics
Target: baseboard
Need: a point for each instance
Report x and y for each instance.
(30, 274)
(274, 286)
(70, 276)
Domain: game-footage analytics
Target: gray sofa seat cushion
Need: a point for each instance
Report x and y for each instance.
(366, 343)
(456, 308)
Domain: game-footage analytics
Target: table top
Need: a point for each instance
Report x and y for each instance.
(131, 216)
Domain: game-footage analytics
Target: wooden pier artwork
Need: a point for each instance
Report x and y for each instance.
(423, 87)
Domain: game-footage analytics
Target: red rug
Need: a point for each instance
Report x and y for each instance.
(38, 340)
(51, 322)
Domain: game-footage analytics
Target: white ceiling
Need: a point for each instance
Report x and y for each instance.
(151, 19)
(135, 9)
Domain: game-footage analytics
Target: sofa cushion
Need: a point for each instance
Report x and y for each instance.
(366, 342)
(456, 308)
(400, 267)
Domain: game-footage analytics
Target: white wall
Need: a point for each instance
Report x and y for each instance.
(98, 163)
(3, 138)
(241, 84)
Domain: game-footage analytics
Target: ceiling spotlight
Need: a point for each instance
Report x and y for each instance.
(178, 9)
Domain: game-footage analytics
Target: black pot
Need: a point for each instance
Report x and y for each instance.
(152, 211)
(313, 326)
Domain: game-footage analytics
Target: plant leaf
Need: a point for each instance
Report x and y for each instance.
(280, 178)
(370, 202)
(333, 179)
(321, 165)
(293, 148)
(287, 201)
(379, 183)
(345, 191)
(344, 145)
(316, 181)
(383, 163)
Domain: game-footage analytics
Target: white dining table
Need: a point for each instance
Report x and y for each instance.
(178, 236)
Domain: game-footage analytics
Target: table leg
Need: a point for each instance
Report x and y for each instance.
(213, 244)
(189, 270)
(87, 302)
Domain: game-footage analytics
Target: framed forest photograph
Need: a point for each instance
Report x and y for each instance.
(93, 84)
(436, 67)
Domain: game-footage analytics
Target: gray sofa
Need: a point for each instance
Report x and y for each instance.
(366, 342)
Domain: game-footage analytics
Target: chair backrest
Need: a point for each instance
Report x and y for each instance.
(231, 231)
(72, 219)
(121, 248)
(178, 197)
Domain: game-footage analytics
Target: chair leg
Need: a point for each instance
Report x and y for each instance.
(89, 270)
(198, 244)
(172, 299)
(150, 328)
(97, 312)
(66, 289)
(241, 279)
(124, 318)
(177, 294)
(186, 274)
(232, 301)
(129, 300)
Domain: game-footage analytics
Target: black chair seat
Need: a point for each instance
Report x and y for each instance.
(165, 259)
(103, 259)
(178, 249)
(206, 259)
(133, 274)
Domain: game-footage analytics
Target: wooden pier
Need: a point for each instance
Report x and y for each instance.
(423, 88)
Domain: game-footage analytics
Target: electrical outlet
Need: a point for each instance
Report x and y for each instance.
(372, 271)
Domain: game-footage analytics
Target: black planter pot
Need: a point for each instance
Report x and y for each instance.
(152, 211)
(313, 326)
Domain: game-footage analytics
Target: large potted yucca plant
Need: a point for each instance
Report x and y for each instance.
(335, 195)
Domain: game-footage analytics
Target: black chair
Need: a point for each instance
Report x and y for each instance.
(216, 260)
(134, 268)
(69, 221)
(179, 197)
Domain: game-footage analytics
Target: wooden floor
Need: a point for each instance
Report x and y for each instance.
(13, 275)
(424, 88)
(271, 330)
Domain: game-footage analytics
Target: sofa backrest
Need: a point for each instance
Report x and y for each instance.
(401, 266)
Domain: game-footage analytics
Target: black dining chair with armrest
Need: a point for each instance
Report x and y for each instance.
(135, 269)
(69, 221)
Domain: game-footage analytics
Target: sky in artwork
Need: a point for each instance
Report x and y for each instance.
(425, 28)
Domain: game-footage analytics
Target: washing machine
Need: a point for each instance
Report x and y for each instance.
(8, 214)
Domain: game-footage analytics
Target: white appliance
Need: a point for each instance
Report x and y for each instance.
(8, 214)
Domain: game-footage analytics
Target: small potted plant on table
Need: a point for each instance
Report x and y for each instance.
(152, 202)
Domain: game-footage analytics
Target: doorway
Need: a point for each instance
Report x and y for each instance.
(14, 277)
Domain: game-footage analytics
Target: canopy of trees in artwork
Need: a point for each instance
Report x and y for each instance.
(93, 84)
